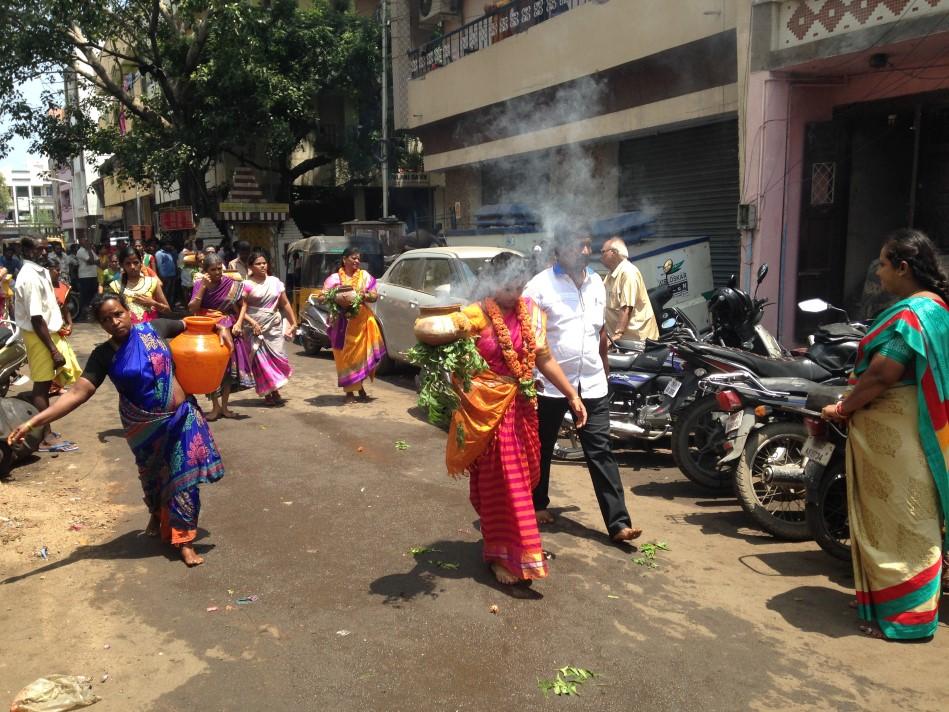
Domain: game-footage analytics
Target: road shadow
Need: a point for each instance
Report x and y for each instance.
(682, 489)
(802, 563)
(638, 460)
(816, 609)
(734, 524)
(105, 435)
(131, 545)
(256, 402)
(31, 459)
(443, 560)
(329, 400)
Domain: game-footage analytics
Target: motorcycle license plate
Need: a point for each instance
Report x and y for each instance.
(819, 451)
(672, 388)
(733, 422)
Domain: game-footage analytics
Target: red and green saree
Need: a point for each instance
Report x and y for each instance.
(898, 489)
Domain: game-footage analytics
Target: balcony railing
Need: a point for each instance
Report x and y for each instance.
(492, 27)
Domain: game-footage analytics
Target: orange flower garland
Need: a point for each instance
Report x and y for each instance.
(522, 368)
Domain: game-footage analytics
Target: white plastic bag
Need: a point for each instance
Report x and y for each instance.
(55, 693)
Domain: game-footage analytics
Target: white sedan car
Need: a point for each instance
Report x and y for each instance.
(425, 277)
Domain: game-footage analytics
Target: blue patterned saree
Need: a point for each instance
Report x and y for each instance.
(173, 448)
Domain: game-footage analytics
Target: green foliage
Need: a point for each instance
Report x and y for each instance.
(6, 201)
(567, 681)
(648, 554)
(401, 445)
(335, 310)
(235, 77)
(438, 364)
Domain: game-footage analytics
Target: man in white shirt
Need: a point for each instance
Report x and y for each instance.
(239, 263)
(628, 310)
(40, 319)
(88, 274)
(573, 298)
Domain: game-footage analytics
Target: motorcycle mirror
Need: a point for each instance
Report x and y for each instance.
(762, 272)
(733, 281)
(813, 306)
(668, 324)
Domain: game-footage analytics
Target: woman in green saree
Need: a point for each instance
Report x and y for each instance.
(897, 446)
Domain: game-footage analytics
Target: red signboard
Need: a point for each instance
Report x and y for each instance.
(180, 218)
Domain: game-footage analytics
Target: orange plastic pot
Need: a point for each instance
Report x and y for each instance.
(200, 359)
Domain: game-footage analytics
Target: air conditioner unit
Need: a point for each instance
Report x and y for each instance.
(431, 12)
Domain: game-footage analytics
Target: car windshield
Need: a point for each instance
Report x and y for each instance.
(475, 264)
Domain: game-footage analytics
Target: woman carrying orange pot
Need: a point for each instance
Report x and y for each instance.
(165, 429)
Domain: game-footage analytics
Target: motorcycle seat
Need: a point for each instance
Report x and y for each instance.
(621, 362)
(765, 366)
(789, 385)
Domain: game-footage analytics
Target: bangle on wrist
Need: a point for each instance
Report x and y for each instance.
(839, 410)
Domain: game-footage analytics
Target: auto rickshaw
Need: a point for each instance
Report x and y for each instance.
(313, 259)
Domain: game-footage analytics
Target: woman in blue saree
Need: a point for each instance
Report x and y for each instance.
(168, 434)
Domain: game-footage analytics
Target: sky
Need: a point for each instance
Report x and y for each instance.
(19, 151)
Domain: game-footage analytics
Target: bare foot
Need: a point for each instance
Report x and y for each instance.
(154, 526)
(544, 516)
(872, 631)
(627, 534)
(229, 414)
(350, 398)
(190, 556)
(503, 575)
(212, 416)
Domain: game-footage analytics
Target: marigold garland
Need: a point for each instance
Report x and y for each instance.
(521, 366)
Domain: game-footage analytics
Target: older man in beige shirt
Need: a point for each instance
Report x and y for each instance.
(629, 314)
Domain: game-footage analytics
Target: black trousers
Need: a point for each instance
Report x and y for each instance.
(595, 439)
(88, 286)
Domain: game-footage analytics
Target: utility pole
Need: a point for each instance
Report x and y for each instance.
(385, 109)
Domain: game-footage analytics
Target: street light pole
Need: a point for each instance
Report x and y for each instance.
(385, 109)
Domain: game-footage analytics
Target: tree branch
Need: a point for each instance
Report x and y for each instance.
(308, 165)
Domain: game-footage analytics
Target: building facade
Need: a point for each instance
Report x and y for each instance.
(578, 107)
(33, 208)
(847, 138)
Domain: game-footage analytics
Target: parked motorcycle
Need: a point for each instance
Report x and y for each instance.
(644, 376)
(13, 411)
(764, 440)
(825, 475)
(697, 434)
(639, 371)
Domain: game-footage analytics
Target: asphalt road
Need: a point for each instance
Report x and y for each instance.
(315, 517)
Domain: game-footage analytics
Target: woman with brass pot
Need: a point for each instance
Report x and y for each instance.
(165, 429)
(217, 295)
(354, 334)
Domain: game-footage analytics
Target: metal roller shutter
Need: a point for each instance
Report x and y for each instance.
(690, 177)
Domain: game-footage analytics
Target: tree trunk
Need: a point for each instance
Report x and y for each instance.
(194, 192)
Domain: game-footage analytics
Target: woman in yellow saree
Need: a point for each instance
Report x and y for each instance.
(897, 446)
(355, 338)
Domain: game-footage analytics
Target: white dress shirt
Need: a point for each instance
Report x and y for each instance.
(34, 296)
(574, 321)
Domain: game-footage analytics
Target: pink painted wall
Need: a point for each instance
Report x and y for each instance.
(777, 113)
